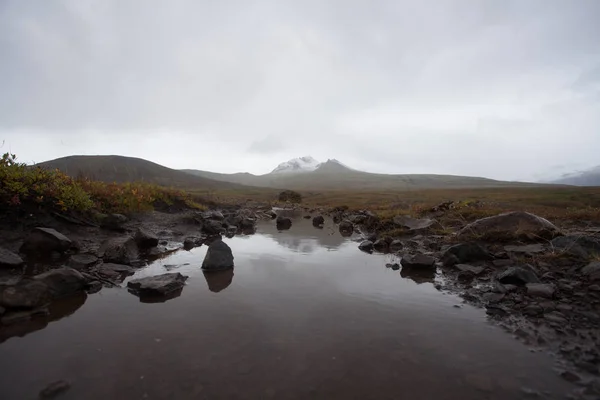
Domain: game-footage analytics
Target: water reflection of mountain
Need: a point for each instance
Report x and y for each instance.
(303, 237)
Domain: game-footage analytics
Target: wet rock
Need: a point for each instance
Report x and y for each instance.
(283, 223)
(83, 261)
(145, 239)
(518, 276)
(218, 256)
(115, 272)
(381, 245)
(160, 285)
(493, 297)
(318, 221)
(556, 317)
(511, 225)
(212, 215)
(248, 225)
(416, 224)
(570, 376)
(396, 245)
(394, 266)
(533, 310)
(528, 249)
(591, 269)
(94, 287)
(577, 245)
(564, 308)
(54, 389)
(191, 242)
(540, 290)
(212, 227)
(465, 253)
(271, 214)
(346, 227)
(62, 281)
(8, 259)
(113, 222)
(418, 261)
(465, 276)
(502, 263)
(366, 245)
(45, 241)
(469, 268)
(119, 250)
(25, 294)
(417, 275)
(307, 217)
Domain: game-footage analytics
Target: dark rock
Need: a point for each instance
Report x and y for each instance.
(416, 224)
(212, 215)
(511, 225)
(533, 310)
(418, 261)
(83, 261)
(465, 253)
(518, 276)
(62, 281)
(94, 287)
(381, 245)
(465, 276)
(113, 222)
(25, 294)
(145, 239)
(160, 285)
(119, 250)
(418, 275)
(45, 241)
(283, 223)
(469, 268)
(218, 257)
(395, 266)
(366, 245)
(346, 227)
(271, 214)
(540, 290)
(54, 389)
(556, 317)
(191, 242)
(528, 249)
(212, 227)
(591, 269)
(493, 297)
(318, 220)
(570, 376)
(502, 263)
(577, 245)
(396, 245)
(2, 310)
(8, 259)
(115, 272)
(17, 317)
(248, 225)
(307, 217)
(564, 308)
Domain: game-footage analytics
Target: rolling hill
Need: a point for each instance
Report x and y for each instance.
(129, 169)
(590, 177)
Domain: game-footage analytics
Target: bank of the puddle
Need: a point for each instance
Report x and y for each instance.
(304, 314)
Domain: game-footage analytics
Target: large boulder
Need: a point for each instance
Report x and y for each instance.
(119, 250)
(28, 293)
(510, 226)
(418, 261)
(283, 223)
(145, 239)
(63, 281)
(416, 224)
(160, 285)
(518, 276)
(465, 253)
(42, 241)
(8, 259)
(577, 245)
(218, 257)
(366, 246)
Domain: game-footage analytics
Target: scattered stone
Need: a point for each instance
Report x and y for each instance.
(346, 227)
(218, 257)
(540, 290)
(577, 245)
(591, 269)
(45, 241)
(528, 249)
(381, 245)
(318, 221)
(570, 376)
(366, 245)
(470, 268)
(212, 215)
(465, 253)
(395, 266)
(418, 261)
(511, 225)
(415, 224)
(62, 281)
(160, 285)
(119, 250)
(8, 259)
(518, 276)
(283, 223)
(564, 308)
(396, 245)
(465, 276)
(145, 239)
(417, 275)
(533, 310)
(493, 297)
(25, 294)
(113, 222)
(83, 261)
(556, 317)
(54, 389)
(115, 272)
(307, 217)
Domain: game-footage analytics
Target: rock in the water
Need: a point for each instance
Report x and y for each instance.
(469, 268)
(25, 294)
(191, 242)
(45, 241)
(416, 224)
(518, 276)
(465, 253)
(160, 285)
(540, 290)
(528, 249)
(396, 245)
(214, 215)
(54, 389)
(145, 239)
(82, 261)
(366, 245)
(248, 225)
(62, 281)
(283, 223)
(511, 225)
(318, 221)
(418, 261)
(218, 256)
(218, 280)
(381, 245)
(115, 272)
(271, 214)
(8, 259)
(346, 227)
(212, 227)
(119, 251)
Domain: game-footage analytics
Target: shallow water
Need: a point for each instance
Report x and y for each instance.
(304, 314)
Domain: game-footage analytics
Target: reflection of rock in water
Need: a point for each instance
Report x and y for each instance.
(418, 275)
(58, 309)
(144, 298)
(218, 280)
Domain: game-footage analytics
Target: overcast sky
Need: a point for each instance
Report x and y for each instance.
(502, 89)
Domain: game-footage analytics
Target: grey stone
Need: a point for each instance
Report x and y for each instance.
(218, 256)
(25, 294)
(318, 220)
(45, 241)
(416, 224)
(470, 268)
(191, 242)
(591, 268)
(119, 250)
(493, 297)
(418, 261)
(511, 225)
(381, 245)
(248, 225)
(556, 317)
(529, 249)
(79, 261)
(396, 245)
(145, 239)
(283, 223)
(212, 227)
(533, 310)
(366, 245)
(62, 281)
(465, 253)
(214, 215)
(502, 263)
(160, 285)
(346, 227)
(518, 276)
(540, 290)
(577, 245)
(8, 259)
(115, 272)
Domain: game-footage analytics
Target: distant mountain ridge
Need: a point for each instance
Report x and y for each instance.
(589, 177)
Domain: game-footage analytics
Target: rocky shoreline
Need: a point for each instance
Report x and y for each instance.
(539, 282)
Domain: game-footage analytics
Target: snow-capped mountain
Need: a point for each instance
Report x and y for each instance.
(295, 165)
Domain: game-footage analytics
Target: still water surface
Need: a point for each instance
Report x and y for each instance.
(304, 315)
